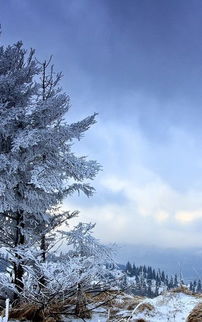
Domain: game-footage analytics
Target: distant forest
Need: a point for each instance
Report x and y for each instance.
(147, 281)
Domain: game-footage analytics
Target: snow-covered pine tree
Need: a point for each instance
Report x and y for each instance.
(37, 166)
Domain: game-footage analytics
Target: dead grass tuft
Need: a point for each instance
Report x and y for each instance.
(27, 311)
(108, 298)
(131, 304)
(145, 307)
(36, 313)
(103, 296)
(185, 290)
(182, 289)
(196, 314)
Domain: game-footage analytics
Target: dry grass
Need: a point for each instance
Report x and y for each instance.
(185, 290)
(116, 299)
(130, 305)
(51, 313)
(106, 298)
(196, 314)
(145, 307)
(182, 289)
(103, 296)
(27, 311)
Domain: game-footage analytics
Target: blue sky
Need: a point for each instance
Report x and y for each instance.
(138, 63)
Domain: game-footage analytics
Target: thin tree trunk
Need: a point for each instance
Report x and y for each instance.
(18, 265)
(43, 247)
(81, 304)
(43, 237)
(43, 256)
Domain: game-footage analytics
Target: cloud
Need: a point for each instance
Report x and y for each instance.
(124, 224)
(186, 217)
(158, 200)
(135, 201)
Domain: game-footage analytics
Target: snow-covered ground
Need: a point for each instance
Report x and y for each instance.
(172, 307)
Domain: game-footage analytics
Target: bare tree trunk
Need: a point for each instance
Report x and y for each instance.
(43, 256)
(81, 304)
(43, 247)
(18, 265)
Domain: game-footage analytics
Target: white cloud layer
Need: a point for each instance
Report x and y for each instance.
(136, 204)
